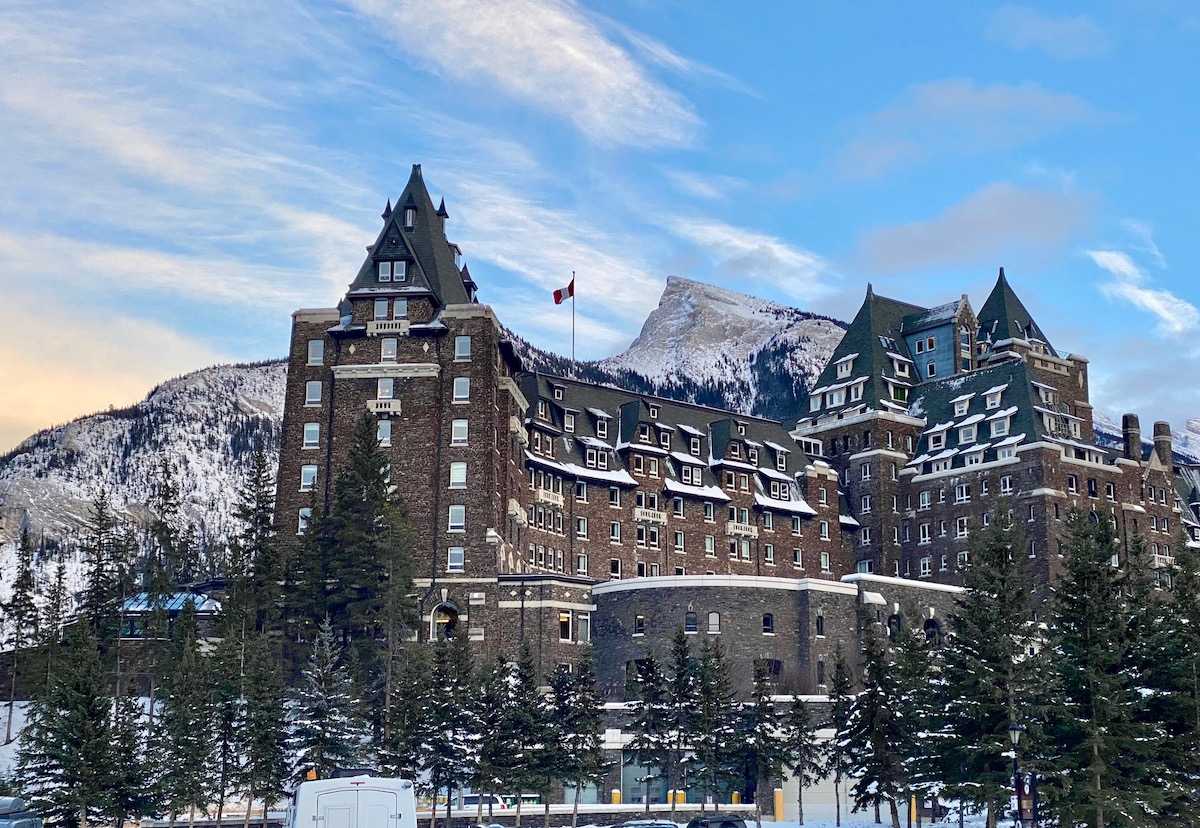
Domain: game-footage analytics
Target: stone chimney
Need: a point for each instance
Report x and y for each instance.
(1162, 442)
(1131, 430)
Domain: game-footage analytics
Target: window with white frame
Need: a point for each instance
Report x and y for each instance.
(923, 534)
(312, 392)
(303, 519)
(937, 440)
(999, 427)
(381, 309)
(614, 496)
(710, 546)
(825, 562)
(462, 348)
(312, 435)
(581, 527)
(568, 422)
(678, 541)
(385, 388)
(960, 407)
(824, 529)
(866, 505)
(308, 478)
(457, 518)
(454, 559)
(602, 428)
(383, 432)
(316, 352)
(769, 553)
(458, 432)
(797, 557)
(400, 309)
(581, 563)
(387, 350)
(931, 369)
(960, 527)
(458, 475)
(714, 623)
(926, 566)
(614, 531)
(462, 389)
(967, 434)
(865, 536)
(865, 471)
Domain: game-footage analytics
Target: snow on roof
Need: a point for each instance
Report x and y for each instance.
(599, 412)
(777, 447)
(846, 520)
(939, 427)
(996, 389)
(611, 476)
(873, 598)
(708, 492)
(916, 461)
(767, 471)
(900, 357)
(1006, 412)
(687, 458)
(754, 443)
(846, 358)
(972, 420)
(695, 432)
(798, 506)
(594, 442)
(1010, 441)
(944, 455)
(1056, 413)
(962, 397)
(737, 464)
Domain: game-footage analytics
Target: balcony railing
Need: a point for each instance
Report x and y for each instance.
(745, 530)
(547, 496)
(375, 327)
(643, 515)
(1161, 561)
(383, 406)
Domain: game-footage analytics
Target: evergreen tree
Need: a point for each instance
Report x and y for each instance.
(989, 679)
(225, 705)
(326, 734)
(683, 695)
(916, 712)
(64, 756)
(22, 616)
(399, 749)
(762, 737)
(99, 550)
(254, 548)
(650, 719)
(841, 701)
(448, 746)
(715, 747)
(582, 720)
(182, 744)
(525, 727)
(303, 604)
(164, 531)
(263, 728)
(1094, 720)
(130, 789)
(53, 615)
(805, 755)
(553, 760)
(874, 737)
(495, 718)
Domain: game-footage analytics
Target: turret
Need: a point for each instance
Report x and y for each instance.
(1162, 442)
(1131, 431)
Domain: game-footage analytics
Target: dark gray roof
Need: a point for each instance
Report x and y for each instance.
(1004, 316)
(424, 244)
(915, 322)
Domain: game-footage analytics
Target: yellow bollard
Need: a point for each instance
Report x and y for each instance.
(735, 798)
(615, 796)
(778, 812)
(681, 797)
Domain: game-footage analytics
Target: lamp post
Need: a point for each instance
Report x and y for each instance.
(1014, 733)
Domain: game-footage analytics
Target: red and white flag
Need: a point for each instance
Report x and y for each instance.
(562, 294)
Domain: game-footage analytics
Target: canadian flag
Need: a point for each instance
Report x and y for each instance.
(562, 294)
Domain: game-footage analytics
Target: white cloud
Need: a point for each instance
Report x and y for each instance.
(740, 253)
(1175, 315)
(702, 185)
(666, 57)
(1063, 37)
(999, 220)
(958, 115)
(548, 54)
(1144, 234)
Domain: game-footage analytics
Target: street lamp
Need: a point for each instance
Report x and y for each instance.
(1015, 730)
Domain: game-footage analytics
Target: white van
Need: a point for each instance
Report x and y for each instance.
(354, 802)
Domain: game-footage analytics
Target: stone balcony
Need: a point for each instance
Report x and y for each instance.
(383, 406)
(375, 327)
(552, 498)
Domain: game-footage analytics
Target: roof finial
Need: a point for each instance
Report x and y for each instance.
(870, 291)
(441, 210)
(1001, 277)
(416, 171)
(387, 211)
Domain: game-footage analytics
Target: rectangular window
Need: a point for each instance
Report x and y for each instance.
(400, 309)
(614, 496)
(316, 352)
(308, 478)
(458, 432)
(926, 566)
(960, 528)
(601, 428)
(302, 520)
(385, 271)
(381, 309)
(458, 475)
(825, 567)
(312, 435)
(457, 521)
(865, 471)
(1006, 484)
(769, 553)
(462, 348)
(387, 350)
(399, 271)
(383, 432)
(581, 563)
(614, 568)
(564, 625)
(454, 559)
(678, 541)
(410, 217)
(312, 392)
(462, 389)
(385, 388)
(581, 491)
(581, 529)
(824, 526)
(569, 422)
(710, 546)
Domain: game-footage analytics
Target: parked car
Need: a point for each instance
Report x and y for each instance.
(648, 823)
(354, 802)
(717, 821)
(14, 813)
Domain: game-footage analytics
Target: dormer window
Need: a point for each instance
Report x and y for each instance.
(966, 434)
(856, 391)
(602, 428)
(654, 412)
(741, 429)
(410, 217)
(385, 271)
(960, 407)
(735, 449)
(901, 368)
(844, 368)
(753, 454)
(644, 432)
(558, 393)
(695, 446)
(937, 441)
(664, 439)
(568, 422)
(993, 400)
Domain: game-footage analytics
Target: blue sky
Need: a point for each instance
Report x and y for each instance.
(178, 177)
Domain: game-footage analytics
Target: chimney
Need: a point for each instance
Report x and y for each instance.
(1162, 442)
(1131, 429)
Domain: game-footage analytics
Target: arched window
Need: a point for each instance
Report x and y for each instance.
(714, 622)
(443, 622)
(689, 622)
(933, 632)
(768, 622)
(820, 623)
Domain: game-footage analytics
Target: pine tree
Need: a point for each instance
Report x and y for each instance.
(683, 694)
(874, 738)
(447, 749)
(182, 744)
(761, 734)
(495, 717)
(263, 728)
(526, 728)
(22, 616)
(552, 761)
(225, 705)
(98, 549)
(805, 755)
(841, 701)
(304, 604)
(399, 749)
(650, 719)
(53, 615)
(254, 547)
(715, 748)
(129, 784)
(582, 720)
(990, 679)
(64, 756)
(916, 713)
(326, 734)
(1094, 721)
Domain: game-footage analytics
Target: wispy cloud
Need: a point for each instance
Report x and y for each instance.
(548, 54)
(1143, 234)
(741, 253)
(1000, 220)
(1065, 37)
(702, 185)
(959, 115)
(663, 55)
(1131, 284)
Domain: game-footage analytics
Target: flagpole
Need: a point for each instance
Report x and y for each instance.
(572, 318)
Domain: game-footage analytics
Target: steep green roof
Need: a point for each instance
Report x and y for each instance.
(1004, 316)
